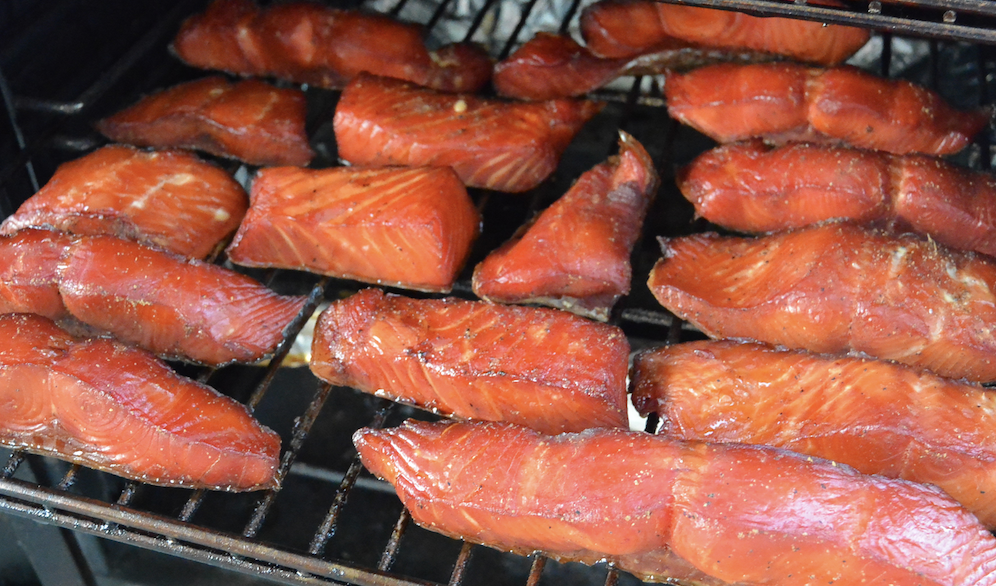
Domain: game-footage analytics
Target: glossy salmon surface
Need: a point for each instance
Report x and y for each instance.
(543, 368)
(877, 416)
(119, 409)
(251, 121)
(490, 143)
(838, 288)
(30, 271)
(663, 509)
(576, 254)
(306, 42)
(785, 102)
(168, 199)
(410, 228)
(626, 28)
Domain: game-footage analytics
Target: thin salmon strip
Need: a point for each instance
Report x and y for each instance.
(665, 509)
(410, 228)
(250, 121)
(838, 288)
(786, 102)
(626, 28)
(29, 273)
(489, 143)
(119, 409)
(306, 42)
(168, 199)
(576, 254)
(877, 416)
(544, 368)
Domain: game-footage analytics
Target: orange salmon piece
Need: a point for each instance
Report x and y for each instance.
(410, 228)
(665, 509)
(30, 272)
(544, 368)
(489, 143)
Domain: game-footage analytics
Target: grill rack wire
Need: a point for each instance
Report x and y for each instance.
(49, 130)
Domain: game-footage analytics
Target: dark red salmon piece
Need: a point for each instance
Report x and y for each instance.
(576, 254)
(250, 121)
(168, 199)
(786, 102)
(489, 143)
(625, 28)
(119, 409)
(309, 43)
(838, 288)
(171, 306)
(410, 228)
(29, 273)
(665, 510)
(544, 368)
(877, 416)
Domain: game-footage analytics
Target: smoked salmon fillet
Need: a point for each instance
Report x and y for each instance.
(543, 368)
(838, 288)
(626, 28)
(787, 102)
(30, 271)
(749, 188)
(877, 416)
(396, 226)
(251, 121)
(306, 42)
(119, 409)
(576, 254)
(168, 199)
(665, 509)
(489, 143)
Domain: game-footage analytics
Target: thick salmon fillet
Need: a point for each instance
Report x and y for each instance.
(30, 272)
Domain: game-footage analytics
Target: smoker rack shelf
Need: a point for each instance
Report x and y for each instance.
(48, 130)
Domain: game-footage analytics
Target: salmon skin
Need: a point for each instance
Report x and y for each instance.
(576, 254)
(167, 199)
(838, 288)
(119, 409)
(30, 273)
(489, 143)
(410, 228)
(787, 102)
(749, 188)
(665, 509)
(544, 368)
(625, 28)
(306, 42)
(877, 416)
(251, 121)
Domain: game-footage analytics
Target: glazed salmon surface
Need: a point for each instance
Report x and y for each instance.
(662, 508)
(838, 288)
(877, 416)
(119, 409)
(306, 42)
(543, 368)
(576, 254)
(785, 102)
(493, 144)
(251, 121)
(169, 199)
(410, 228)
(29, 272)
(626, 28)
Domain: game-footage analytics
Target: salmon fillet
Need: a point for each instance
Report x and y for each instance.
(168, 199)
(306, 42)
(544, 368)
(877, 416)
(250, 121)
(576, 254)
(489, 143)
(838, 288)
(410, 228)
(626, 28)
(786, 102)
(665, 509)
(30, 271)
(119, 409)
